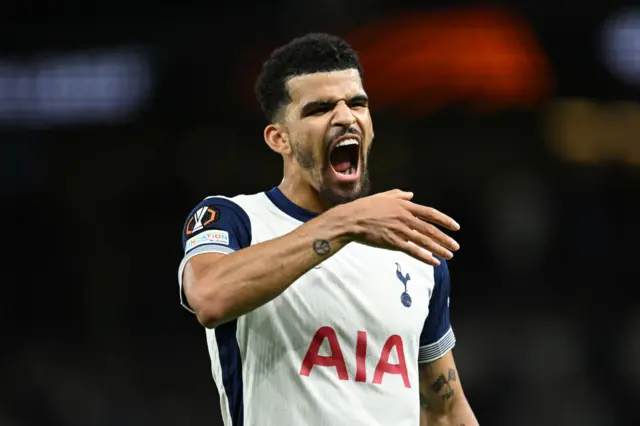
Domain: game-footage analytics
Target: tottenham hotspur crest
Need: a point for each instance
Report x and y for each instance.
(404, 278)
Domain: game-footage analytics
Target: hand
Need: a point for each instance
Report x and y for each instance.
(390, 220)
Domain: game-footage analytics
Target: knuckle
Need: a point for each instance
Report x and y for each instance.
(433, 213)
(425, 211)
(404, 216)
(427, 229)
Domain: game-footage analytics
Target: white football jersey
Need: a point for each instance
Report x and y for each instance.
(340, 346)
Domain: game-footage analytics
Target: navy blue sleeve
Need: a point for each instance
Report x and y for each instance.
(437, 336)
(216, 214)
(215, 225)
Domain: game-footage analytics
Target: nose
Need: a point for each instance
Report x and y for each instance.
(342, 115)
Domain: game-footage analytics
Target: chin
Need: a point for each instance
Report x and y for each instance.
(336, 193)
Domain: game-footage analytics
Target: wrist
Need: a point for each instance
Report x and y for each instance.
(342, 223)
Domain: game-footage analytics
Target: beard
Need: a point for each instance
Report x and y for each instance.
(332, 194)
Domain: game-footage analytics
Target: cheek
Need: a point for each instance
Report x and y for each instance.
(315, 140)
(367, 126)
(364, 118)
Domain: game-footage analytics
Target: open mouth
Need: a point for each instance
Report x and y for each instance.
(344, 157)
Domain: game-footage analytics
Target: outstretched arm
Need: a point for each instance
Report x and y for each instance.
(442, 401)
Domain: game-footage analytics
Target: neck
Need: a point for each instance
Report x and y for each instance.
(298, 191)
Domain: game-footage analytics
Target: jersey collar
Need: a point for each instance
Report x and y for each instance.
(288, 207)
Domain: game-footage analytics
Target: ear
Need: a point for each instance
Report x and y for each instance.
(276, 137)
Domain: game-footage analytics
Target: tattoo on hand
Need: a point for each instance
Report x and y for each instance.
(443, 382)
(321, 247)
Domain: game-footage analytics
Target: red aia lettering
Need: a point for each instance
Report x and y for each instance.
(336, 359)
(385, 367)
(361, 357)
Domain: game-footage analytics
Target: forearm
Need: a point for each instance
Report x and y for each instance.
(232, 285)
(442, 400)
(458, 414)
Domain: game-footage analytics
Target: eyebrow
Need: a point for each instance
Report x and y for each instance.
(310, 106)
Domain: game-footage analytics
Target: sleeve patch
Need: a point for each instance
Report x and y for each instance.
(206, 215)
(212, 236)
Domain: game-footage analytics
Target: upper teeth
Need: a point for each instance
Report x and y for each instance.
(347, 142)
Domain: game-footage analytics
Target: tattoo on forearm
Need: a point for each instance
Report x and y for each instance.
(321, 247)
(444, 383)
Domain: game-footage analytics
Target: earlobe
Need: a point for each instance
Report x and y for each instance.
(277, 139)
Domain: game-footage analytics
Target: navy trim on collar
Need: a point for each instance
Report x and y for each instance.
(288, 207)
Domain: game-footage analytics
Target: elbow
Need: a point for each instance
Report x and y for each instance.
(206, 304)
(208, 320)
(451, 413)
(205, 288)
(209, 314)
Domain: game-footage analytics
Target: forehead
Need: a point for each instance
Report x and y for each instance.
(332, 85)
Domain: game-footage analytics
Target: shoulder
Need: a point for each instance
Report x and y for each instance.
(213, 207)
(229, 215)
(247, 203)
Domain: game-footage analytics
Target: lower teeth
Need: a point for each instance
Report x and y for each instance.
(351, 170)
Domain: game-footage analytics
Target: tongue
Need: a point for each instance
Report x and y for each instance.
(340, 160)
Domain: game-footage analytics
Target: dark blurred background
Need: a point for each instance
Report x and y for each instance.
(519, 120)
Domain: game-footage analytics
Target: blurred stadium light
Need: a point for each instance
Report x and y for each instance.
(621, 45)
(482, 57)
(587, 132)
(97, 86)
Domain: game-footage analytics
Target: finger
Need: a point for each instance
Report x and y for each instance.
(433, 260)
(398, 193)
(434, 234)
(414, 251)
(428, 244)
(432, 215)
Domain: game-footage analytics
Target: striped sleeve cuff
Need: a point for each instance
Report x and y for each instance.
(436, 350)
(205, 248)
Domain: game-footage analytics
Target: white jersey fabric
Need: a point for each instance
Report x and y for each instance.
(341, 346)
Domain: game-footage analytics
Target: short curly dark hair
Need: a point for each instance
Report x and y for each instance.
(314, 52)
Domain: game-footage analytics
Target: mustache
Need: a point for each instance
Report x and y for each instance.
(341, 133)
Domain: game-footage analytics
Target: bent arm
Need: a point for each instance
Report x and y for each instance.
(221, 287)
(442, 401)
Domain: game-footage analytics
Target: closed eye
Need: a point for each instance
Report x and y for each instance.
(319, 110)
(359, 104)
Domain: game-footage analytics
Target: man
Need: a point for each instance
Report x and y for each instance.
(322, 305)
